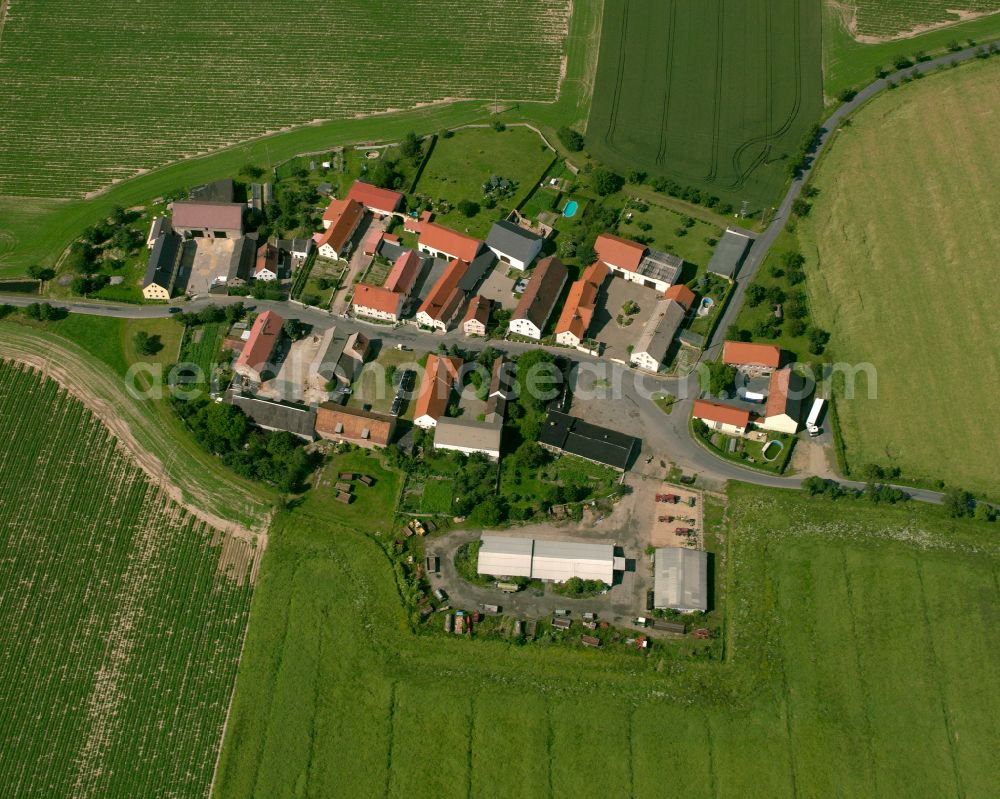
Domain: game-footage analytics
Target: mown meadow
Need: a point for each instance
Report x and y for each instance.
(121, 636)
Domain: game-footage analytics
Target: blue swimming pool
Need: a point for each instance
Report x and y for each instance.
(570, 209)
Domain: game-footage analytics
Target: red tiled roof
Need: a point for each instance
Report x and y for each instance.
(479, 309)
(344, 217)
(616, 251)
(741, 353)
(717, 412)
(543, 290)
(352, 423)
(373, 198)
(578, 312)
(404, 272)
(264, 335)
(440, 375)
(444, 297)
(377, 298)
(212, 216)
(680, 294)
(457, 245)
(777, 392)
(267, 258)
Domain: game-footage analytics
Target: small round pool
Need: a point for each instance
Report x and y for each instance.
(772, 449)
(570, 209)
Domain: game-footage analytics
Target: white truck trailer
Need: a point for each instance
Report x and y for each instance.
(814, 414)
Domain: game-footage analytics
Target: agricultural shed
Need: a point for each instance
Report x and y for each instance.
(163, 258)
(514, 245)
(729, 254)
(680, 579)
(271, 415)
(208, 220)
(466, 436)
(543, 559)
(505, 556)
(564, 433)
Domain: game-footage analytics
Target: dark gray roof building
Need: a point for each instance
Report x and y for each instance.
(163, 260)
(218, 191)
(599, 444)
(729, 254)
(271, 415)
(513, 244)
(477, 270)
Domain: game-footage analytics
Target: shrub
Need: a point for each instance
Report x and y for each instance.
(572, 140)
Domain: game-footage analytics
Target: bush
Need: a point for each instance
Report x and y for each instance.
(146, 344)
(572, 140)
(606, 182)
(468, 208)
(818, 339)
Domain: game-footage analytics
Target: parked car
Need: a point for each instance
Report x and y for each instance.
(440, 595)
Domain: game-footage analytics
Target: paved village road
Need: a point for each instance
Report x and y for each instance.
(662, 434)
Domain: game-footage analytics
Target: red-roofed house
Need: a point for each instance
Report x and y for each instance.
(266, 265)
(254, 361)
(680, 294)
(762, 358)
(412, 224)
(372, 240)
(477, 317)
(439, 380)
(440, 241)
(404, 273)
(721, 417)
(445, 299)
(786, 393)
(341, 219)
(578, 312)
(620, 254)
(381, 202)
(377, 302)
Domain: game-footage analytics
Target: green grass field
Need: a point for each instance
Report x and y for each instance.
(307, 64)
(858, 642)
(461, 164)
(901, 257)
(714, 96)
(121, 638)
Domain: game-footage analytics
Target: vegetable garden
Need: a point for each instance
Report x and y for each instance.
(121, 639)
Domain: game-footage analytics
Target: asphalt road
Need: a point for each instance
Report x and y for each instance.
(663, 435)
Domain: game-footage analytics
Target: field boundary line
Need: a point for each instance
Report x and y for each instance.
(720, 28)
(4, 7)
(664, 115)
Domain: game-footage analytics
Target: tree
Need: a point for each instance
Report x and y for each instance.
(636, 177)
(606, 182)
(530, 455)
(44, 312)
(235, 312)
(721, 378)
(957, 502)
(572, 140)
(818, 339)
(383, 174)
(146, 344)
(81, 257)
(41, 272)
(756, 294)
(251, 171)
(814, 485)
(984, 512)
(294, 328)
(410, 146)
(800, 207)
(499, 126)
(468, 208)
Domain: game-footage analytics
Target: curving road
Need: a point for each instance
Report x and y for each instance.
(662, 434)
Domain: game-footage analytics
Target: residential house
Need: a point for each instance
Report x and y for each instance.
(786, 396)
(353, 425)
(404, 273)
(503, 387)
(722, 418)
(477, 317)
(637, 263)
(381, 202)
(578, 312)
(266, 265)
(377, 303)
(468, 437)
(299, 420)
(564, 433)
(681, 294)
(340, 357)
(650, 350)
(254, 362)
(752, 358)
(730, 253)
(340, 222)
(210, 220)
(442, 242)
(163, 259)
(514, 245)
(445, 299)
(539, 298)
(441, 375)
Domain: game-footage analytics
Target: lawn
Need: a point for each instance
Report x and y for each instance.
(714, 96)
(695, 244)
(907, 291)
(461, 164)
(121, 635)
(839, 614)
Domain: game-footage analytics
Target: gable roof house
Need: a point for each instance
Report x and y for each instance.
(503, 384)
(439, 380)
(651, 348)
(340, 221)
(210, 220)
(468, 437)
(539, 299)
(254, 361)
(785, 399)
(681, 294)
(266, 265)
(268, 414)
(381, 202)
(377, 302)
(477, 316)
(442, 304)
(442, 242)
(729, 254)
(638, 263)
(404, 272)
(363, 428)
(747, 357)
(514, 245)
(721, 417)
(163, 259)
(341, 357)
(578, 312)
(161, 226)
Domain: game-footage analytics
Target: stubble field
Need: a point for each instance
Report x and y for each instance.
(121, 637)
(901, 247)
(134, 86)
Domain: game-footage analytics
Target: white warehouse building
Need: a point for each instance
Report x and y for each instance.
(680, 579)
(558, 561)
